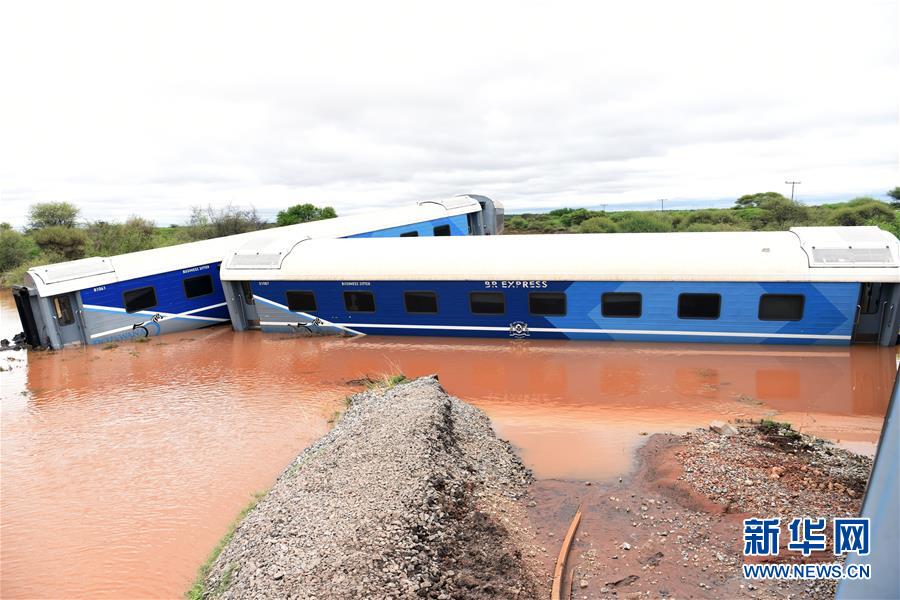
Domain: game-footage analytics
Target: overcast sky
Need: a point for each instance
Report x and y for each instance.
(125, 110)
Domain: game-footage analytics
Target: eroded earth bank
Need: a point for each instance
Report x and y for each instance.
(412, 495)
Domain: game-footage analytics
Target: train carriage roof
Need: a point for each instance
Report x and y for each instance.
(801, 254)
(86, 273)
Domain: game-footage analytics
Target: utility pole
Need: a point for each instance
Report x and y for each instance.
(662, 204)
(604, 207)
(792, 184)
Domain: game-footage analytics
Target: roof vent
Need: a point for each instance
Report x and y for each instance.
(851, 257)
(76, 269)
(255, 261)
(848, 246)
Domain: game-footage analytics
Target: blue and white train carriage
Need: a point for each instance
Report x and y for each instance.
(176, 288)
(830, 285)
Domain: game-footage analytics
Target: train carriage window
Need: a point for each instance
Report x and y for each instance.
(420, 302)
(301, 301)
(139, 299)
(621, 305)
(487, 303)
(781, 307)
(202, 285)
(64, 313)
(547, 304)
(410, 234)
(359, 301)
(699, 306)
(442, 230)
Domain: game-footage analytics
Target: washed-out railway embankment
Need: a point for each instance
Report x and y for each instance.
(410, 495)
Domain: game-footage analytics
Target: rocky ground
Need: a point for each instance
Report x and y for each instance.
(674, 527)
(410, 495)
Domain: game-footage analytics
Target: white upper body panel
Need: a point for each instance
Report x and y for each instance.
(60, 278)
(719, 256)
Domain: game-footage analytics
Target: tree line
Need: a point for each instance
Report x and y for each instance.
(766, 211)
(55, 232)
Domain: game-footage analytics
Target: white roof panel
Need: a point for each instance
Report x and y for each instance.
(719, 256)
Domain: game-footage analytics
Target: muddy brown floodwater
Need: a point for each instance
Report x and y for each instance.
(122, 467)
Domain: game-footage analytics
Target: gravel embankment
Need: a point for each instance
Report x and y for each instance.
(410, 495)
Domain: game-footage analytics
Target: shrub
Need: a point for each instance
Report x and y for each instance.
(543, 224)
(516, 223)
(15, 249)
(638, 222)
(65, 242)
(758, 199)
(708, 217)
(598, 225)
(862, 211)
(574, 218)
(109, 239)
(701, 227)
(781, 213)
(895, 197)
(212, 222)
(304, 213)
(52, 214)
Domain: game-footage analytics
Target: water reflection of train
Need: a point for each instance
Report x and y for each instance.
(809, 285)
(177, 288)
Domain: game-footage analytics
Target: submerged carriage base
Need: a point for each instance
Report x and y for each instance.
(177, 288)
(809, 285)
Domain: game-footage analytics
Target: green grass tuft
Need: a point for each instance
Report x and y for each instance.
(198, 589)
(386, 382)
(770, 427)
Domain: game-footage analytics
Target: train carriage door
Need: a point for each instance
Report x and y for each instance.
(241, 305)
(250, 312)
(877, 315)
(66, 310)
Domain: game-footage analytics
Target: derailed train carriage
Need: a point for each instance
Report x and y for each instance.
(809, 285)
(176, 288)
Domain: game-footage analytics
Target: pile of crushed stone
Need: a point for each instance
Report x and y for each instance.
(411, 495)
(774, 471)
